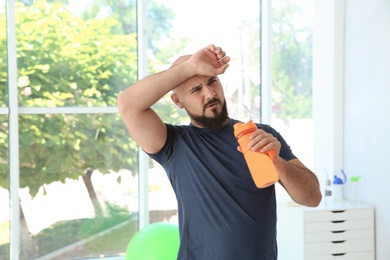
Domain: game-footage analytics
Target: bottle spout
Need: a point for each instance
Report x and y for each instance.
(345, 176)
(248, 112)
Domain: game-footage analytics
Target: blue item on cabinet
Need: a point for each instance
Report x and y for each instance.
(337, 180)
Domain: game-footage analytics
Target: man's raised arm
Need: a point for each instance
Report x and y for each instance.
(135, 102)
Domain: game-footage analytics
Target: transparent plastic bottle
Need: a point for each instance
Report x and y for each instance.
(260, 165)
(354, 190)
(337, 189)
(328, 193)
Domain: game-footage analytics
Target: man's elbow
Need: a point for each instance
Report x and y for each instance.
(123, 103)
(314, 200)
(119, 101)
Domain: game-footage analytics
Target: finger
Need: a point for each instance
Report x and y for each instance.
(224, 60)
(211, 47)
(267, 147)
(222, 68)
(258, 134)
(263, 142)
(221, 54)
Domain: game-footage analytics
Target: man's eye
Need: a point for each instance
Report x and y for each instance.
(194, 90)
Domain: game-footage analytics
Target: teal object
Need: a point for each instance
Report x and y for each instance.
(157, 241)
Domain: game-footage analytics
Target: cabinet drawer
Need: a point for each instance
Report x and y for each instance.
(342, 232)
(326, 236)
(347, 256)
(339, 248)
(334, 215)
(340, 225)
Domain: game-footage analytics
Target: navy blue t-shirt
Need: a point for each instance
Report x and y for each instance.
(222, 214)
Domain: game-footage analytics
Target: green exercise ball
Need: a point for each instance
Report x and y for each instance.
(157, 241)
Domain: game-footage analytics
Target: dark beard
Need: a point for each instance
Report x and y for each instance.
(215, 122)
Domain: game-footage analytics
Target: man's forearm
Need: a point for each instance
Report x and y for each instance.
(146, 92)
(301, 184)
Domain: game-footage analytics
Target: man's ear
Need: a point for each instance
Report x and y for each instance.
(176, 100)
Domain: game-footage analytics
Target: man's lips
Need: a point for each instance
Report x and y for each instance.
(213, 104)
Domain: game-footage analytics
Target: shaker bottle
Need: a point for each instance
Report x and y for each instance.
(260, 165)
(338, 187)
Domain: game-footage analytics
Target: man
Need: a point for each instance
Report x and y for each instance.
(222, 214)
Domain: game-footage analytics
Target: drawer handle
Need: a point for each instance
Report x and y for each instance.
(341, 254)
(338, 221)
(338, 231)
(338, 211)
(338, 242)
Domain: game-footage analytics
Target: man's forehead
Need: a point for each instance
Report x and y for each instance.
(189, 83)
(193, 82)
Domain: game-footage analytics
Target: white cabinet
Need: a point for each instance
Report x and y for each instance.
(341, 231)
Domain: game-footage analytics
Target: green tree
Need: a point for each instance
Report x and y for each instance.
(65, 60)
(82, 64)
(3, 60)
(158, 24)
(292, 61)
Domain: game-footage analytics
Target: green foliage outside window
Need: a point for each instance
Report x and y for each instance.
(64, 60)
(291, 61)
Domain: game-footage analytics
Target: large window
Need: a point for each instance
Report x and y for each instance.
(77, 164)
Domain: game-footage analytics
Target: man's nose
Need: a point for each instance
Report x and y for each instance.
(209, 92)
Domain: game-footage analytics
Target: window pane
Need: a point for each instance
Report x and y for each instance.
(4, 151)
(3, 57)
(79, 54)
(193, 25)
(292, 75)
(4, 188)
(73, 186)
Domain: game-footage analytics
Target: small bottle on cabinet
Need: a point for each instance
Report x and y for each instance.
(338, 188)
(328, 193)
(354, 190)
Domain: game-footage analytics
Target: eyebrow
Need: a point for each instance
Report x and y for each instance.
(211, 79)
(194, 88)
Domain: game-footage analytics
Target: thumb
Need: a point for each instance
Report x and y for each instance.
(221, 69)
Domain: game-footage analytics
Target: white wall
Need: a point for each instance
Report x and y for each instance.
(364, 110)
(367, 108)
